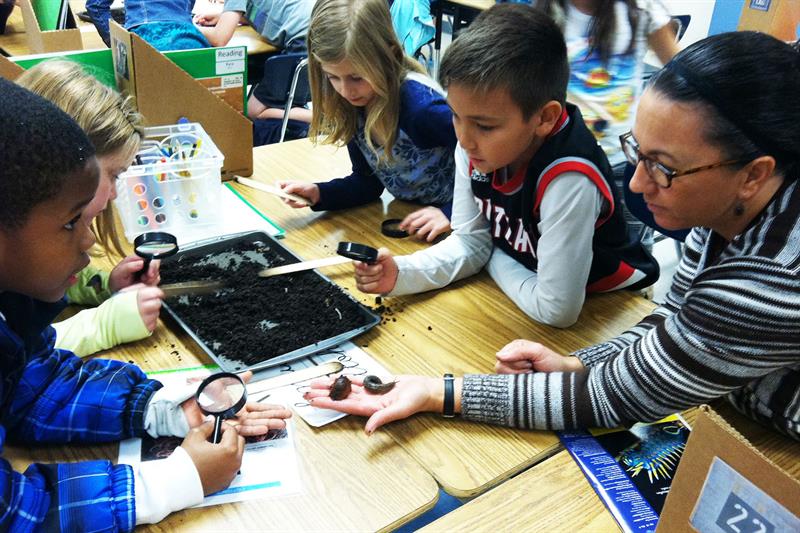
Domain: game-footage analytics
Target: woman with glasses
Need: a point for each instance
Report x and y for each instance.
(716, 145)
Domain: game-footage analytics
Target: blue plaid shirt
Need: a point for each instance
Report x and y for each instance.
(48, 395)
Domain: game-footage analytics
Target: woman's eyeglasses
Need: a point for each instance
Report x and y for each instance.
(658, 172)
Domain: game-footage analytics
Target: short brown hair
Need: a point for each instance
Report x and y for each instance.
(512, 46)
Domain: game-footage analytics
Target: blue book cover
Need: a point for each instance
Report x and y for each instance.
(631, 469)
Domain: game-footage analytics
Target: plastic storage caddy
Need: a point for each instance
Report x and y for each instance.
(173, 183)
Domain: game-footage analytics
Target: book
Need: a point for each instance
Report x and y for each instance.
(631, 469)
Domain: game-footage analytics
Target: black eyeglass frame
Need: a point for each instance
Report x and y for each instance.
(627, 140)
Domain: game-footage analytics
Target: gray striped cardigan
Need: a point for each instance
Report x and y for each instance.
(730, 326)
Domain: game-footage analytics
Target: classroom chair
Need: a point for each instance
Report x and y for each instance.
(284, 85)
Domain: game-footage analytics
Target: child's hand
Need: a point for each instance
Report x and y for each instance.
(309, 191)
(379, 278)
(426, 223)
(254, 419)
(217, 464)
(411, 394)
(148, 300)
(521, 356)
(258, 418)
(210, 19)
(126, 273)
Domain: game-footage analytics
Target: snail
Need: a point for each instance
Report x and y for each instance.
(374, 385)
(341, 388)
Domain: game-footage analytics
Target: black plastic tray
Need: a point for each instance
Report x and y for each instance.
(231, 365)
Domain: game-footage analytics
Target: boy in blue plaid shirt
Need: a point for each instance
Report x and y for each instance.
(48, 174)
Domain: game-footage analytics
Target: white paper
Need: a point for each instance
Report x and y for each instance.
(235, 217)
(356, 362)
(269, 468)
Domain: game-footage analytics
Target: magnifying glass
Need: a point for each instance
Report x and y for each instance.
(221, 395)
(154, 245)
(358, 252)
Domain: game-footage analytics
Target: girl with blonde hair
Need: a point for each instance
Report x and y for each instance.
(115, 128)
(393, 118)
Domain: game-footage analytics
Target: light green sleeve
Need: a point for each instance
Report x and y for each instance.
(91, 288)
(114, 322)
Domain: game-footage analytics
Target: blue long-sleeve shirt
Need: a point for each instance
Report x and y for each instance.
(48, 395)
(422, 168)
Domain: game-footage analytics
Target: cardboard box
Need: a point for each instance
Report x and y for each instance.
(776, 17)
(725, 485)
(40, 41)
(164, 93)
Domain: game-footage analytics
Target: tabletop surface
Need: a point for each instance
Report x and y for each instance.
(455, 330)
(556, 496)
(378, 482)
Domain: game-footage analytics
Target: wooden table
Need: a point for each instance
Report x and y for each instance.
(457, 330)
(556, 496)
(350, 482)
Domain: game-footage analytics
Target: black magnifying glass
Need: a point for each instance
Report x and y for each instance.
(154, 245)
(221, 395)
(358, 252)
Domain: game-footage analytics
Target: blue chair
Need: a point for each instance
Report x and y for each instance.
(284, 85)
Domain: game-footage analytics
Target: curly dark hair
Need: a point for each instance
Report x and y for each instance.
(41, 150)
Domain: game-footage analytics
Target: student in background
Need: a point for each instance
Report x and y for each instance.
(716, 148)
(395, 120)
(533, 200)
(115, 129)
(50, 396)
(282, 23)
(165, 24)
(606, 44)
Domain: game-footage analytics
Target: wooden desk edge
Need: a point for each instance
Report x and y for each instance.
(499, 480)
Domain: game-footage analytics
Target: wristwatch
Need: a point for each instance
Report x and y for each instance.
(449, 410)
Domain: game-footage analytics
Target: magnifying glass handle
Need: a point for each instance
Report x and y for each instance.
(217, 435)
(145, 268)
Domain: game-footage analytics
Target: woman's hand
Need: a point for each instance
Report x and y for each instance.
(126, 273)
(217, 464)
(426, 223)
(380, 277)
(410, 395)
(309, 191)
(253, 420)
(521, 356)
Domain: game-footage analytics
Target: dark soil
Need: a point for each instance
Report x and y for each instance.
(256, 319)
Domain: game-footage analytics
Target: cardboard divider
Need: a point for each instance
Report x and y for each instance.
(9, 70)
(52, 40)
(722, 479)
(164, 93)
